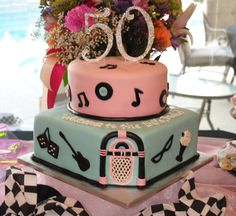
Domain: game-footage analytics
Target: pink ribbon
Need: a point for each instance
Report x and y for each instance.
(51, 75)
(55, 81)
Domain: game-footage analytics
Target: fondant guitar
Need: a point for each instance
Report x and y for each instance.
(82, 162)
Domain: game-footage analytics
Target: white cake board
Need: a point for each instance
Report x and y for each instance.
(125, 197)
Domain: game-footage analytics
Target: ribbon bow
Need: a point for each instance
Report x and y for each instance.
(190, 203)
(51, 75)
(21, 198)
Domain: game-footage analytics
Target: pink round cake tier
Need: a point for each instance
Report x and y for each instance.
(114, 88)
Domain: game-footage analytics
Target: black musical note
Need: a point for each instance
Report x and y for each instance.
(146, 62)
(69, 95)
(85, 99)
(166, 147)
(137, 97)
(82, 162)
(109, 66)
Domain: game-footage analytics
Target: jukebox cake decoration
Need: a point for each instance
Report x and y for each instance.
(117, 128)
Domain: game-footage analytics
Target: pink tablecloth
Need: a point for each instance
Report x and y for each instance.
(210, 179)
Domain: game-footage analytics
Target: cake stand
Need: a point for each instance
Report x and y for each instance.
(125, 197)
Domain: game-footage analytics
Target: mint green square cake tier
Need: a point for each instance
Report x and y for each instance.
(125, 153)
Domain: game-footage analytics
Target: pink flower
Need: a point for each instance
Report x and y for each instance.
(141, 3)
(50, 22)
(75, 18)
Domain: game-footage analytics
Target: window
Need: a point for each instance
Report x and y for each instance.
(20, 60)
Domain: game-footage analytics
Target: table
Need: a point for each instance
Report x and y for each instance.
(191, 86)
(210, 179)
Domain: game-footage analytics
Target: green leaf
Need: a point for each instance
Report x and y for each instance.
(65, 78)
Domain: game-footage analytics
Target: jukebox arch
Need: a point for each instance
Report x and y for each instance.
(118, 151)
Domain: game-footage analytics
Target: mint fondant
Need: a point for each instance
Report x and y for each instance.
(131, 153)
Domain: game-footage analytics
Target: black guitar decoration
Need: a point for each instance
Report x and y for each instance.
(86, 101)
(166, 147)
(46, 142)
(82, 162)
(109, 66)
(137, 97)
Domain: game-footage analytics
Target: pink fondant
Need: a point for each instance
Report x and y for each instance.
(122, 134)
(102, 180)
(141, 182)
(113, 149)
(103, 152)
(83, 77)
(141, 154)
(113, 174)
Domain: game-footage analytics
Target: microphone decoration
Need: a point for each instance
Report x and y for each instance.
(82, 162)
(184, 143)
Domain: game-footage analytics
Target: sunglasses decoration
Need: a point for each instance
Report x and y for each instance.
(166, 147)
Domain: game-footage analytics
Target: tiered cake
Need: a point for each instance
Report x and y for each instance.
(117, 128)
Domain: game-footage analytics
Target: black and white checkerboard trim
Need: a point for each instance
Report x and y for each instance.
(21, 198)
(190, 204)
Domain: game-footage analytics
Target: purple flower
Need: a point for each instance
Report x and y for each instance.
(75, 19)
(141, 3)
(163, 9)
(175, 42)
(120, 6)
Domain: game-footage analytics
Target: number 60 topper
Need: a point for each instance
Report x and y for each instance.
(109, 33)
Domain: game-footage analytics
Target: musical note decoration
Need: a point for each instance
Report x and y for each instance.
(69, 94)
(81, 96)
(157, 158)
(163, 98)
(109, 66)
(137, 101)
(103, 91)
(82, 162)
(148, 63)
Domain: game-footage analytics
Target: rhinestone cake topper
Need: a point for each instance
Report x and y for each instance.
(104, 27)
(119, 42)
(119, 36)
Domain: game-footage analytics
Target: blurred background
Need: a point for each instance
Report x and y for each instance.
(21, 59)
